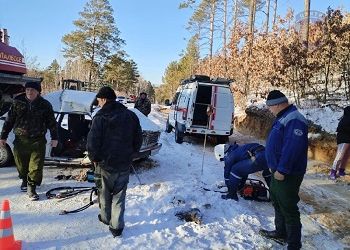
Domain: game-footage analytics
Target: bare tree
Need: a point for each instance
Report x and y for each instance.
(267, 16)
(235, 18)
(274, 13)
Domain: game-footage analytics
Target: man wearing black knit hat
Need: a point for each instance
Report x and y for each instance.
(114, 136)
(286, 155)
(30, 117)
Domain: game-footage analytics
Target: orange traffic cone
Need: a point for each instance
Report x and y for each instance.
(7, 240)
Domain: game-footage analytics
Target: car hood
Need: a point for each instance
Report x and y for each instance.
(80, 102)
(71, 101)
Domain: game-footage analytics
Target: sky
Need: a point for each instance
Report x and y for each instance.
(154, 30)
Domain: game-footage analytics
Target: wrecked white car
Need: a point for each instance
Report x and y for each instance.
(74, 111)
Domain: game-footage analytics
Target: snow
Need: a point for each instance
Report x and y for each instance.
(151, 207)
(326, 117)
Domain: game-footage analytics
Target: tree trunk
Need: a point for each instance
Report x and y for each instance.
(212, 20)
(235, 17)
(252, 11)
(267, 17)
(306, 22)
(225, 36)
(250, 41)
(274, 13)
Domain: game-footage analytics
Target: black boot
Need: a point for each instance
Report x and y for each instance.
(32, 193)
(279, 235)
(294, 237)
(24, 185)
(273, 235)
(232, 194)
(116, 232)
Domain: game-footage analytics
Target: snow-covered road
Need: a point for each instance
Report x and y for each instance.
(150, 210)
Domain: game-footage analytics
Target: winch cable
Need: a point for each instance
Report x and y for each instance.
(137, 176)
(209, 112)
(216, 191)
(70, 192)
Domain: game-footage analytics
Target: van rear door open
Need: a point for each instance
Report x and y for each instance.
(220, 98)
(222, 102)
(202, 100)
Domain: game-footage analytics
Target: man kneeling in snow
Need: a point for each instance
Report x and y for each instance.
(240, 161)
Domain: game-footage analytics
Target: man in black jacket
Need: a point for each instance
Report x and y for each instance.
(114, 136)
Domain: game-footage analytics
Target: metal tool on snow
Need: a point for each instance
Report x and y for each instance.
(137, 176)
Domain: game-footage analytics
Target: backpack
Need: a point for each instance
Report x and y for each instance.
(255, 190)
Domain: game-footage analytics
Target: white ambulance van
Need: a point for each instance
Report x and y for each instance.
(189, 109)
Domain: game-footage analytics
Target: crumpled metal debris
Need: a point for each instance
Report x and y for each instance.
(191, 215)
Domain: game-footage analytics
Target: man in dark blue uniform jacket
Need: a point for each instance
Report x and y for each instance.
(286, 155)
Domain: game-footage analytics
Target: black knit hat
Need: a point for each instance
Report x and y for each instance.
(33, 85)
(276, 97)
(106, 92)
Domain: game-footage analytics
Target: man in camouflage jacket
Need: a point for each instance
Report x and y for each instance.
(143, 104)
(30, 116)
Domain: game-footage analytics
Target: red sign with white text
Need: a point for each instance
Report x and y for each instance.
(11, 60)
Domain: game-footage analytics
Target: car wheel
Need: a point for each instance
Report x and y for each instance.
(221, 139)
(5, 156)
(168, 127)
(179, 136)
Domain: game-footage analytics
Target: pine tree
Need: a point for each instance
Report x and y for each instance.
(96, 36)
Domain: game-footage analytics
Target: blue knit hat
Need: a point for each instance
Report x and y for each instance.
(276, 97)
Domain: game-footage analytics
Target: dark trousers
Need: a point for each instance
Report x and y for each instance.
(285, 198)
(112, 193)
(29, 155)
(240, 171)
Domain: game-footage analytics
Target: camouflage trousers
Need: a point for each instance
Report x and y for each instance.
(29, 155)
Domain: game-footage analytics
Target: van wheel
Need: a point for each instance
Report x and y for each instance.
(168, 127)
(179, 136)
(5, 156)
(221, 139)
